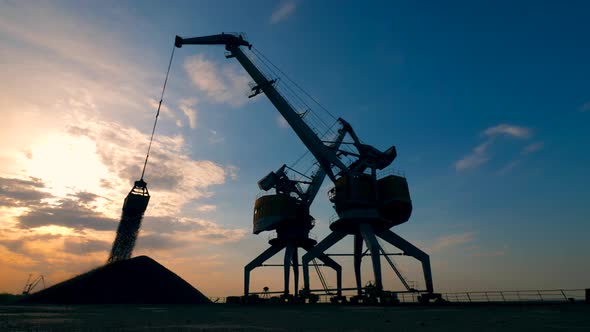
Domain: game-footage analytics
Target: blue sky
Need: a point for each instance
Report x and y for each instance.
(487, 102)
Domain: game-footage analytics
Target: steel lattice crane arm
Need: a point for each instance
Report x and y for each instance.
(326, 156)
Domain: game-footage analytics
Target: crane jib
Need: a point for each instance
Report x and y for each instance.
(321, 152)
(303, 131)
(221, 39)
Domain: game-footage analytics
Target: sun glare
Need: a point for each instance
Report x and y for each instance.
(55, 230)
(66, 164)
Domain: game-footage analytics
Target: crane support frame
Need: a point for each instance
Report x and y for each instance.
(369, 235)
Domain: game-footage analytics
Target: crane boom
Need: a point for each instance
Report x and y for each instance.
(325, 156)
(320, 175)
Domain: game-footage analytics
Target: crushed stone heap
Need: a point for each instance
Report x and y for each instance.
(139, 280)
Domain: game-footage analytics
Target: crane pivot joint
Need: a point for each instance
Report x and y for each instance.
(178, 41)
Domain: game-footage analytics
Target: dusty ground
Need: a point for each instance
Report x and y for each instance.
(319, 317)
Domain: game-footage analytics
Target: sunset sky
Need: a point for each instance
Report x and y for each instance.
(487, 102)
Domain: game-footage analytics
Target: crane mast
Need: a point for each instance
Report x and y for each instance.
(320, 174)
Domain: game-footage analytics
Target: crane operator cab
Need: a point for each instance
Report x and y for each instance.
(284, 211)
(384, 203)
(274, 210)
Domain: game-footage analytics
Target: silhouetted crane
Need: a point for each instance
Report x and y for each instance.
(30, 285)
(367, 206)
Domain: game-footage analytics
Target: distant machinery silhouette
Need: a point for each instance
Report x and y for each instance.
(31, 284)
(265, 293)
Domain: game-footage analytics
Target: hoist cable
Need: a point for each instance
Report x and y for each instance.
(158, 113)
(305, 92)
(290, 91)
(297, 98)
(263, 59)
(286, 91)
(289, 94)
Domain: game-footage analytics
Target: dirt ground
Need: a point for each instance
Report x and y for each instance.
(318, 317)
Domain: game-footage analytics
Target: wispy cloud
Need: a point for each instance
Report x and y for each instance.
(70, 213)
(585, 107)
(507, 130)
(452, 240)
(480, 154)
(207, 208)
(284, 10)
(476, 158)
(232, 171)
(497, 253)
(21, 192)
(220, 84)
(187, 106)
(48, 27)
(533, 147)
(82, 246)
(281, 122)
(178, 178)
(190, 229)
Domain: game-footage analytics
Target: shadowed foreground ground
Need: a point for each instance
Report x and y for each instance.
(319, 317)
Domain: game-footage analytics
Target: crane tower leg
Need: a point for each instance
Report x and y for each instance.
(410, 250)
(316, 251)
(287, 266)
(256, 262)
(371, 241)
(358, 257)
(295, 260)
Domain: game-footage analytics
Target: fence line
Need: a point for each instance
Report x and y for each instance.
(510, 296)
(536, 295)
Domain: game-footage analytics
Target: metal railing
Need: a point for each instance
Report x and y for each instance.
(537, 295)
(273, 235)
(511, 296)
(390, 171)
